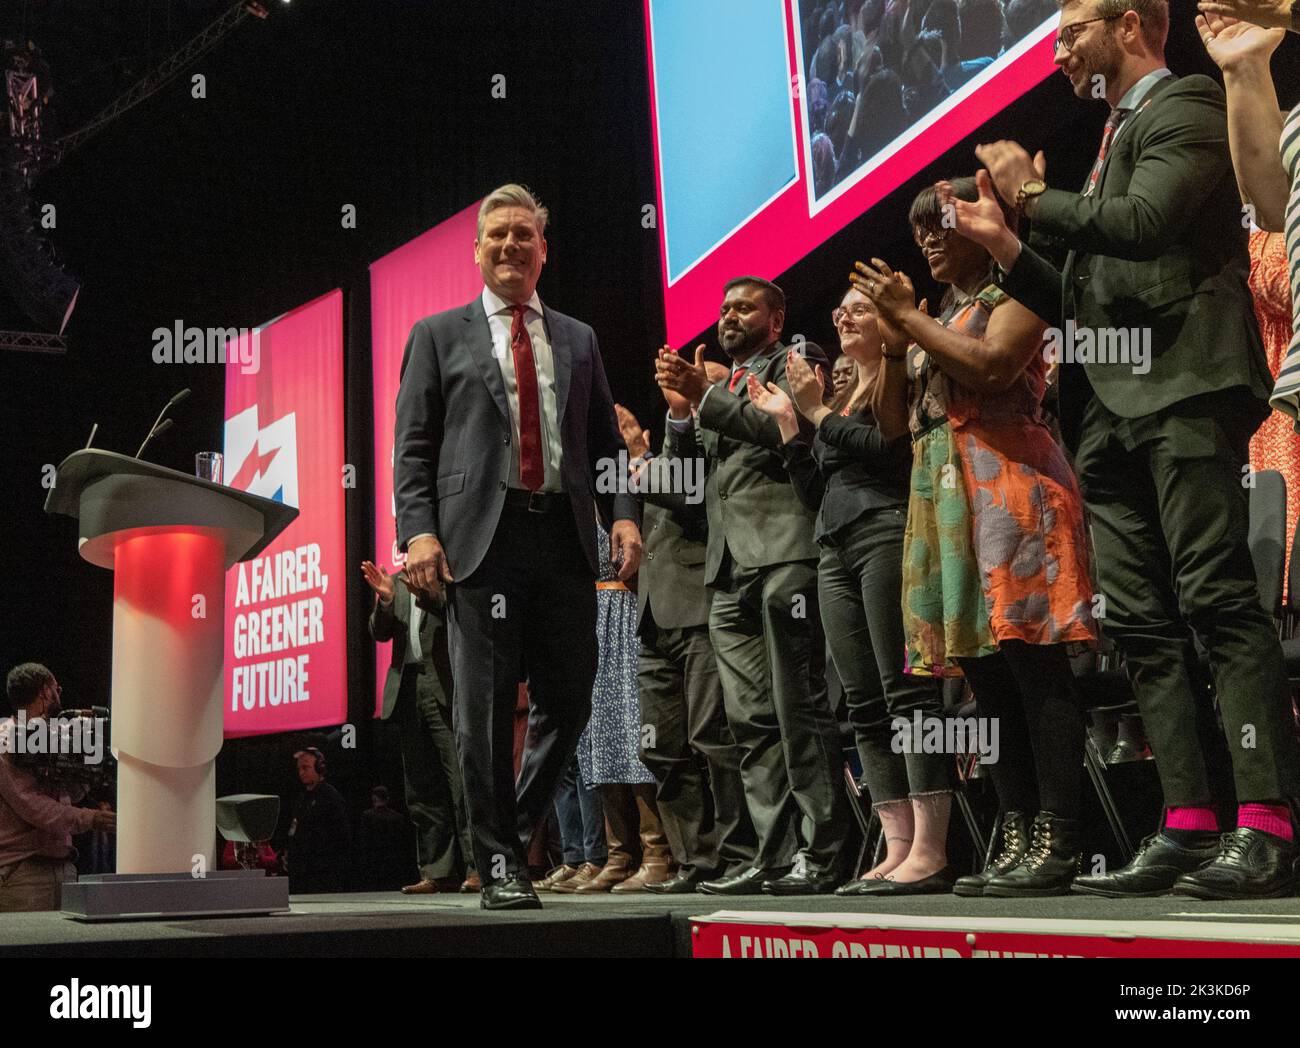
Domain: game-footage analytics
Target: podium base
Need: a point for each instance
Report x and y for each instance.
(144, 896)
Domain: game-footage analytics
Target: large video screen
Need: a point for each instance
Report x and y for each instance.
(778, 122)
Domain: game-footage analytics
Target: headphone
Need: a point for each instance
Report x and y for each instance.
(317, 755)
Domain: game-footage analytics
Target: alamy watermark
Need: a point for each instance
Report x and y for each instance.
(659, 476)
(179, 344)
(951, 735)
(1089, 345)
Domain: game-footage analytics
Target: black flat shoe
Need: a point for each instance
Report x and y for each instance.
(803, 884)
(1251, 864)
(936, 884)
(513, 894)
(682, 884)
(748, 882)
(1155, 868)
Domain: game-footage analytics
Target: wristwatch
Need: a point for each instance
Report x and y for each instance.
(1030, 189)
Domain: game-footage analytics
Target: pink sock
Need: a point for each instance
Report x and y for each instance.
(1271, 818)
(1196, 819)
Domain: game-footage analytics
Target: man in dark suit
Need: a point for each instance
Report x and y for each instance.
(762, 567)
(705, 818)
(1158, 249)
(504, 420)
(418, 689)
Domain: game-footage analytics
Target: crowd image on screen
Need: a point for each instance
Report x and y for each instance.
(873, 68)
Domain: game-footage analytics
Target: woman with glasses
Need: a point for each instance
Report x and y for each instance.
(858, 483)
(995, 567)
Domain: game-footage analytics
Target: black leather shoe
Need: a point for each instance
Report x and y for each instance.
(803, 884)
(936, 884)
(1049, 865)
(1251, 864)
(749, 882)
(1159, 862)
(681, 884)
(1015, 842)
(515, 893)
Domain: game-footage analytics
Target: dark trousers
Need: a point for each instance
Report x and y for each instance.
(1028, 691)
(767, 637)
(581, 819)
(860, 586)
(431, 771)
(705, 819)
(527, 612)
(1170, 521)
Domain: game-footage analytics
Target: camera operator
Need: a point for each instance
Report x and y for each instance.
(37, 820)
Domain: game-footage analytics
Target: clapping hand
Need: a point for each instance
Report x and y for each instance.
(1271, 14)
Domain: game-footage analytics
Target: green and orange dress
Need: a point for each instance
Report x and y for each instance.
(996, 547)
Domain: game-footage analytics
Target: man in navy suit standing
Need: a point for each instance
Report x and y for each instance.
(504, 421)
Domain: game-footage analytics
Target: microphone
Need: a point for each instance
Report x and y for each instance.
(156, 428)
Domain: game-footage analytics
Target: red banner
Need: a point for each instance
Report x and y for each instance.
(286, 610)
(434, 272)
(882, 935)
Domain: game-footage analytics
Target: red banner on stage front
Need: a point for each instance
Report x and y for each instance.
(286, 610)
(434, 272)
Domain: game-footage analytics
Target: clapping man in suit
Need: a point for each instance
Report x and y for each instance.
(1158, 250)
(418, 689)
(763, 620)
(504, 420)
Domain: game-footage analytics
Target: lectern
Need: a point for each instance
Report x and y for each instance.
(169, 539)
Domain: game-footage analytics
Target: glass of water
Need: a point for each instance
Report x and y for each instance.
(207, 466)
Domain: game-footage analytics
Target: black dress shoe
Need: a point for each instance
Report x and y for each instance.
(936, 884)
(1159, 862)
(749, 882)
(515, 893)
(681, 884)
(1015, 842)
(1251, 864)
(1049, 866)
(803, 884)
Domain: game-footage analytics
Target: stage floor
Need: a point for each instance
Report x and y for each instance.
(393, 925)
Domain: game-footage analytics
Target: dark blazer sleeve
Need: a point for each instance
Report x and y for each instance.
(1037, 285)
(417, 439)
(805, 473)
(660, 493)
(683, 441)
(604, 439)
(1183, 156)
(387, 622)
(858, 439)
(737, 418)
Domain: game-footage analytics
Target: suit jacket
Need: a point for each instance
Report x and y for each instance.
(451, 455)
(394, 623)
(753, 511)
(1160, 246)
(670, 589)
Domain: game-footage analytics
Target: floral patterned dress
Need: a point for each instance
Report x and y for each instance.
(996, 548)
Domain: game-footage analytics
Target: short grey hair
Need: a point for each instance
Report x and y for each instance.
(513, 195)
(1154, 15)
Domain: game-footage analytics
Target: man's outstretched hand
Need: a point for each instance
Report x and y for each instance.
(625, 548)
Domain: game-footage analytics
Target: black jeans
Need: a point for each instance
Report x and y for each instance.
(859, 586)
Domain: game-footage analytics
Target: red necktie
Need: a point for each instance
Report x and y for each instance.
(736, 376)
(1113, 122)
(531, 471)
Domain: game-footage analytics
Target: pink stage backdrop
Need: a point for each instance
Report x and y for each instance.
(433, 272)
(286, 610)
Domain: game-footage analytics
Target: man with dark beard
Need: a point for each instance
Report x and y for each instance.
(764, 624)
(1158, 246)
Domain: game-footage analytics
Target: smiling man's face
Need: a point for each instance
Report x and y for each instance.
(510, 253)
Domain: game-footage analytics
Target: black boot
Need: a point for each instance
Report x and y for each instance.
(1251, 864)
(1048, 867)
(1015, 842)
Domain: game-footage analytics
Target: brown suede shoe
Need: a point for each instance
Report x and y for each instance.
(587, 873)
(616, 871)
(425, 887)
(473, 884)
(649, 873)
(557, 876)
